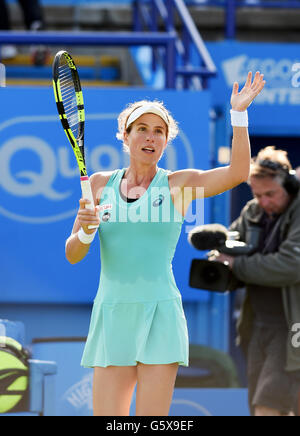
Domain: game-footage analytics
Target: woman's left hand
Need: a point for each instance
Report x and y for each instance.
(240, 101)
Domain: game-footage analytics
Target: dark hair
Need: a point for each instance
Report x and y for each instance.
(271, 163)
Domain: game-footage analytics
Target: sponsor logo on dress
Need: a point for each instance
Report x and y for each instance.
(158, 202)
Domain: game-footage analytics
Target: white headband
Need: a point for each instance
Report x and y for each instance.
(147, 109)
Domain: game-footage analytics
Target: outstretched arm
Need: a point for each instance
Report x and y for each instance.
(241, 151)
(219, 180)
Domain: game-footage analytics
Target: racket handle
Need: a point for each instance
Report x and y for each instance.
(87, 195)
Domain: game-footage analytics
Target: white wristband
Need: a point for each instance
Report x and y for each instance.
(239, 119)
(85, 238)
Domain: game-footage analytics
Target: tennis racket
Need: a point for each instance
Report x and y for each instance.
(70, 106)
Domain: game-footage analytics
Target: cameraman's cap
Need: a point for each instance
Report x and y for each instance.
(147, 109)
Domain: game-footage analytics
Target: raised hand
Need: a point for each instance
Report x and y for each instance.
(240, 101)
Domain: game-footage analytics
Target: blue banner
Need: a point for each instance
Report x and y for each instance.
(39, 186)
(276, 110)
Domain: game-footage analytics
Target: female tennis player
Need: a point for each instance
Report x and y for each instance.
(138, 334)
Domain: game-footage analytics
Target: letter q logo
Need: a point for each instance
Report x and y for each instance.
(36, 182)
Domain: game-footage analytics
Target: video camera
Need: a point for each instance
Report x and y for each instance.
(214, 275)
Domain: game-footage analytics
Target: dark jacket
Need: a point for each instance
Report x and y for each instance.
(280, 269)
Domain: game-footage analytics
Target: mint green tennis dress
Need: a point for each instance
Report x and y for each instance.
(137, 314)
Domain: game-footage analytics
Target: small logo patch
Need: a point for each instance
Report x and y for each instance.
(106, 210)
(106, 216)
(105, 207)
(158, 201)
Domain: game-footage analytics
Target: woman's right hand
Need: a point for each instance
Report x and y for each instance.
(87, 217)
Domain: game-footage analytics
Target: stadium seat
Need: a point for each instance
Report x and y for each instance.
(73, 396)
(40, 397)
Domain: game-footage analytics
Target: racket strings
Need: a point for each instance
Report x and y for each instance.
(69, 98)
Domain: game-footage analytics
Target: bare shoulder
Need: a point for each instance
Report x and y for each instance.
(174, 178)
(98, 183)
(101, 178)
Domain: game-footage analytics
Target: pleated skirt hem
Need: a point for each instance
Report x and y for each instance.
(124, 334)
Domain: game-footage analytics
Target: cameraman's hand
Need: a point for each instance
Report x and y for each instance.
(223, 258)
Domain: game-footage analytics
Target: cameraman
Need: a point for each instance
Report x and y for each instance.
(272, 278)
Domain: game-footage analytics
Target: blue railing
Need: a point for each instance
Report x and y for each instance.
(183, 57)
(76, 2)
(149, 13)
(62, 39)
